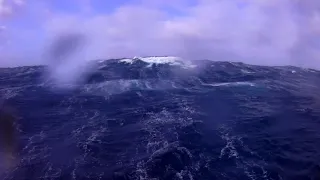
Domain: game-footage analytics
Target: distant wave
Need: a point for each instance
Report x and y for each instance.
(123, 85)
(175, 61)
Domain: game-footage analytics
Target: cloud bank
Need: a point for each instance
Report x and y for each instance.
(268, 32)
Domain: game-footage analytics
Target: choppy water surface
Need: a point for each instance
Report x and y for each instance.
(136, 119)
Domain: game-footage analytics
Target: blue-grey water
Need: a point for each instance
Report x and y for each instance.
(201, 120)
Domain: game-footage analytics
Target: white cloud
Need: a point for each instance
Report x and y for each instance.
(2, 28)
(9, 7)
(4, 9)
(19, 2)
(3, 39)
(253, 31)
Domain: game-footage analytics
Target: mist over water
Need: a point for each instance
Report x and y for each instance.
(65, 59)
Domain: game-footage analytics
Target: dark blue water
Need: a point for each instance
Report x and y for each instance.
(135, 120)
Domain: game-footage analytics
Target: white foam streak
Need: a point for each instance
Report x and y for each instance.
(231, 84)
(9, 93)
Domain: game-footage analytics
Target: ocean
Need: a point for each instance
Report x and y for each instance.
(161, 118)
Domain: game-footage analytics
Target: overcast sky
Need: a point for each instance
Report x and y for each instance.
(269, 32)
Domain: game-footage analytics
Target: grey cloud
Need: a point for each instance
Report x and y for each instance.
(9, 7)
(254, 31)
(4, 8)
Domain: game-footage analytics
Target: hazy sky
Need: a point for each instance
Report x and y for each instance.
(268, 32)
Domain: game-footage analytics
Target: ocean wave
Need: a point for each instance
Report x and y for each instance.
(250, 162)
(150, 119)
(124, 85)
(174, 61)
(8, 93)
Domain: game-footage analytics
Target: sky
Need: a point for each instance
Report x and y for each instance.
(265, 32)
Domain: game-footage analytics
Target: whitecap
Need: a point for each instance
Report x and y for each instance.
(162, 60)
(171, 60)
(129, 61)
(246, 71)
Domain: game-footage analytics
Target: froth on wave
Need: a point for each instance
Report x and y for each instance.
(171, 60)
